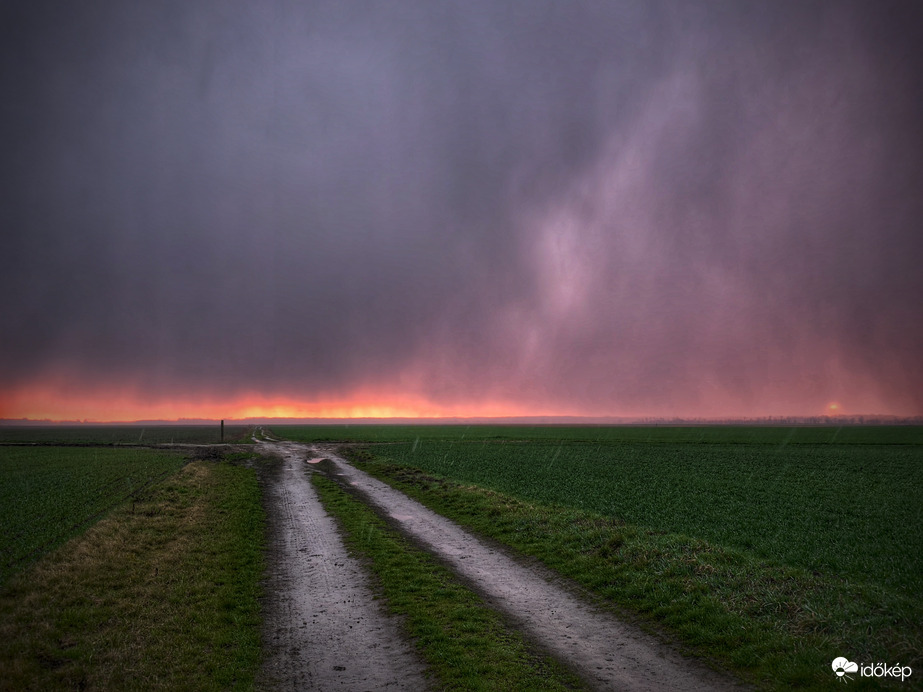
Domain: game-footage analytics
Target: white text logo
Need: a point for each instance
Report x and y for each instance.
(843, 666)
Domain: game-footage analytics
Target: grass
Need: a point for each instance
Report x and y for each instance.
(774, 624)
(123, 434)
(465, 644)
(844, 502)
(610, 434)
(852, 511)
(48, 494)
(162, 594)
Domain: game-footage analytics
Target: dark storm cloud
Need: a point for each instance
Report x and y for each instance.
(608, 206)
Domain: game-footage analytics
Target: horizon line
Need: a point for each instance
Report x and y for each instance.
(848, 419)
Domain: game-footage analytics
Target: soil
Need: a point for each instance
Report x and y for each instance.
(318, 591)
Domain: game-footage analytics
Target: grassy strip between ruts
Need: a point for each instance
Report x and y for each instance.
(775, 625)
(161, 594)
(464, 642)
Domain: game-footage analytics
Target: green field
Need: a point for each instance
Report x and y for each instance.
(48, 494)
(768, 550)
(610, 434)
(853, 511)
(852, 506)
(161, 594)
(129, 568)
(121, 434)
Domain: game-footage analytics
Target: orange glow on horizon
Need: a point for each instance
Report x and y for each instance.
(67, 400)
(46, 403)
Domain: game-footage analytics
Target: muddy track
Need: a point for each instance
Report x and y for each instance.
(323, 628)
(606, 653)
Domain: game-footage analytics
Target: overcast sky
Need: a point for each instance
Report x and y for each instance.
(694, 208)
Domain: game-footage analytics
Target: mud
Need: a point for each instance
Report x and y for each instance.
(605, 652)
(323, 628)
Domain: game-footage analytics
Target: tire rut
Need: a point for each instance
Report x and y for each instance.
(605, 652)
(323, 627)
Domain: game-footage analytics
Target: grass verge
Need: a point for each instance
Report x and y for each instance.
(464, 642)
(161, 594)
(773, 624)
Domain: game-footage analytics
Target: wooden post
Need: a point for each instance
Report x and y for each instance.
(222, 430)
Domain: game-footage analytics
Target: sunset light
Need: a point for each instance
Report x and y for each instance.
(46, 403)
(56, 402)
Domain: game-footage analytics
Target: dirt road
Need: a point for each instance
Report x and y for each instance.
(606, 653)
(324, 630)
